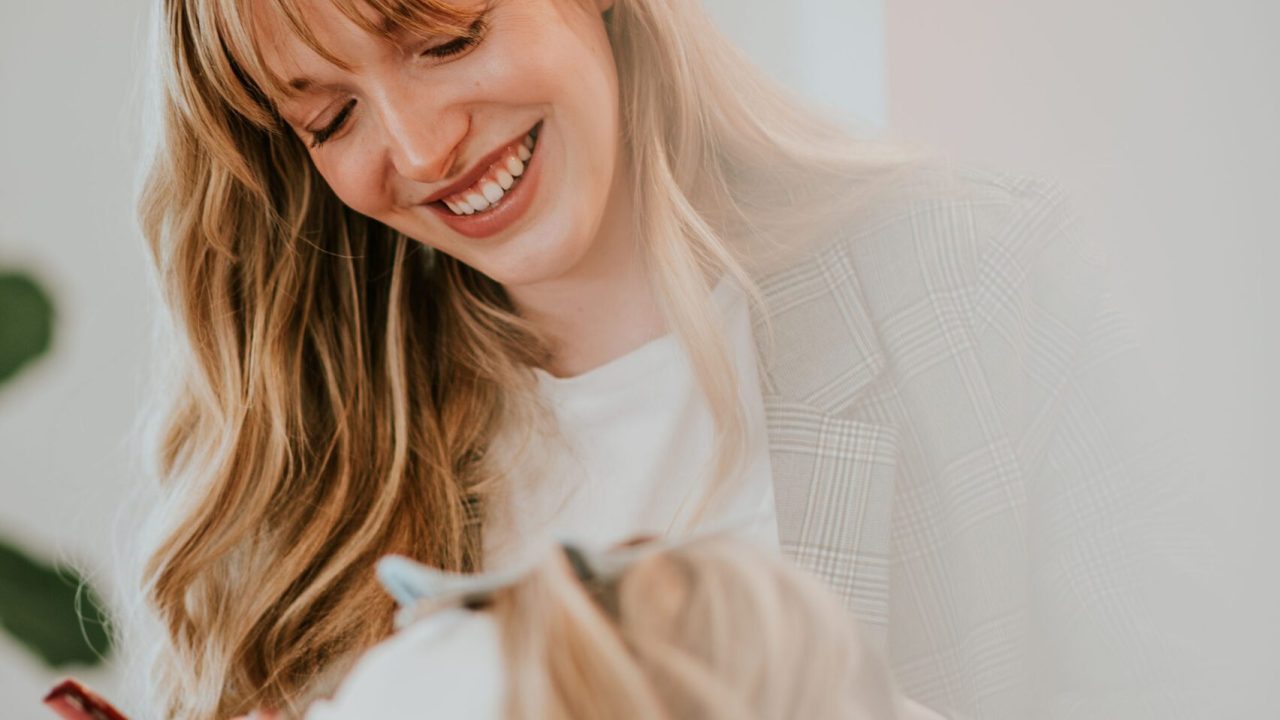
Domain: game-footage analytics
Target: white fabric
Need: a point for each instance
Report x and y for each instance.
(448, 665)
(635, 437)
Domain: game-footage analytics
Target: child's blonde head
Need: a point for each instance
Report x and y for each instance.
(712, 629)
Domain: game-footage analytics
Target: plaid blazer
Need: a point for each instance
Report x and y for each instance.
(950, 405)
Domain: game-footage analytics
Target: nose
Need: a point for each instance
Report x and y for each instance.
(422, 139)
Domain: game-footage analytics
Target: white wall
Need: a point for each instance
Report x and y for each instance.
(66, 154)
(831, 51)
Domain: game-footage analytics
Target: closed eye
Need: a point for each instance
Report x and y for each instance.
(319, 136)
(460, 44)
(451, 48)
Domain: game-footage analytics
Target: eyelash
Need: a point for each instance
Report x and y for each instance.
(460, 44)
(456, 46)
(319, 136)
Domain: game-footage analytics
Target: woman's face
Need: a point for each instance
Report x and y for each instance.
(430, 136)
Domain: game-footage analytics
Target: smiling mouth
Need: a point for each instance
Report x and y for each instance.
(502, 174)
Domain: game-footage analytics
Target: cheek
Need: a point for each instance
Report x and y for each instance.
(355, 177)
(546, 52)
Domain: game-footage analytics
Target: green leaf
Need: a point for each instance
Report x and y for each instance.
(51, 611)
(26, 322)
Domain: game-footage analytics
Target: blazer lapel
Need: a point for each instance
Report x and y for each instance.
(833, 474)
(818, 345)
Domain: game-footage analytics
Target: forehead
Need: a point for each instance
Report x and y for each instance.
(283, 42)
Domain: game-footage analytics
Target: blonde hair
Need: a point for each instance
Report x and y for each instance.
(715, 630)
(335, 384)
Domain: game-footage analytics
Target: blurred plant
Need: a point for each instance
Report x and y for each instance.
(50, 610)
(26, 322)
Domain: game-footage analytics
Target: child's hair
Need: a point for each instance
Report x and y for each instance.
(715, 628)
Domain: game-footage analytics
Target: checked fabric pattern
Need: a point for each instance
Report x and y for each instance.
(957, 432)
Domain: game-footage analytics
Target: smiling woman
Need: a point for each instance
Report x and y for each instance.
(454, 280)
(396, 120)
(373, 221)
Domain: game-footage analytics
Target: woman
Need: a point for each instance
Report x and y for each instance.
(423, 258)
(711, 628)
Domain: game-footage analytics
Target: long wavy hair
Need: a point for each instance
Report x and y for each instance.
(334, 385)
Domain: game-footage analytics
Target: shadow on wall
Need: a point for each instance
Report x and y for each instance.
(48, 608)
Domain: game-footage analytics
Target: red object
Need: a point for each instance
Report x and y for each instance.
(73, 701)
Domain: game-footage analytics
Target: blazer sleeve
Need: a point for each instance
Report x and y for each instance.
(1116, 564)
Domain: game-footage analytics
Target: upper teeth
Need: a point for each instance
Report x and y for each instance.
(495, 182)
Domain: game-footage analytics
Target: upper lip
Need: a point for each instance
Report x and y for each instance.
(470, 177)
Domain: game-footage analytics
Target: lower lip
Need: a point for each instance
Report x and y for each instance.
(510, 208)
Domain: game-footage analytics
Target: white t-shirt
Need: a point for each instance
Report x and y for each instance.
(636, 435)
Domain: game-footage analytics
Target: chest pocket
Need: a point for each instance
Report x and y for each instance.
(833, 484)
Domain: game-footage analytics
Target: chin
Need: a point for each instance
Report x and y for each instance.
(527, 262)
(523, 274)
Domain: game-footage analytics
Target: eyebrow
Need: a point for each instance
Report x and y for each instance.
(303, 85)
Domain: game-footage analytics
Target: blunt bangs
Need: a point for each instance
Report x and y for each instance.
(229, 42)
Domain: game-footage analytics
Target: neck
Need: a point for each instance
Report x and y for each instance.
(604, 306)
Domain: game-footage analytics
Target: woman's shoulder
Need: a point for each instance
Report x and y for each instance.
(940, 252)
(942, 180)
(927, 213)
(943, 211)
(964, 233)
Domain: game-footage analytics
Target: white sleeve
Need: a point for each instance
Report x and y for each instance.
(447, 665)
